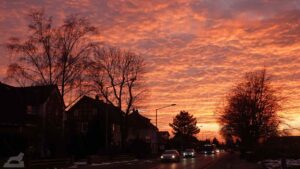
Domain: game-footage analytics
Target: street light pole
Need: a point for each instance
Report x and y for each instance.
(156, 118)
(200, 132)
(156, 110)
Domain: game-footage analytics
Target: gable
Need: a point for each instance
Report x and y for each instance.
(85, 102)
(14, 101)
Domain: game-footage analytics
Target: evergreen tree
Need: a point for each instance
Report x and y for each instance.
(184, 124)
(216, 141)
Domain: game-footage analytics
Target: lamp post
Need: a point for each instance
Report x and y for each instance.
(200, 132)
(156, 110)
(159, 109)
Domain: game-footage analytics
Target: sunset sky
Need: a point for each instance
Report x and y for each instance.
(195, 50)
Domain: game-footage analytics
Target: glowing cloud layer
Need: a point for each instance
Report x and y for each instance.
(195, 49)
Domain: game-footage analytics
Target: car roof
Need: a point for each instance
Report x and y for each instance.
(171, 151)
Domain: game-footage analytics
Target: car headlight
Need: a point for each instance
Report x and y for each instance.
(192, 153)
(161, 157)
(173, 156)
(184, 154)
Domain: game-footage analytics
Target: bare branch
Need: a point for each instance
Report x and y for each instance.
(54, 55)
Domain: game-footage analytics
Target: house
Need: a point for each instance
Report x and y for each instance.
(163, 140)
(164, 135)
(30, 117)
(140, 127)
(93, 126)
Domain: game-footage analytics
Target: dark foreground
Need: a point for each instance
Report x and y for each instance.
(219, 161)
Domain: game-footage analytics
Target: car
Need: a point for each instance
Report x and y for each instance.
(170, 155)
(208, 149)
(189, 153)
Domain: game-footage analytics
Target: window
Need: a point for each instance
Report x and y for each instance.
(113, 127)
(31, 110)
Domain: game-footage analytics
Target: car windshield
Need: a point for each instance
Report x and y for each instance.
(189, 150)
(170, 152)
(208, 148)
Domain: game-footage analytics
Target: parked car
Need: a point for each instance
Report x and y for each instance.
(189, 153)
(208, 149)
(170, 155)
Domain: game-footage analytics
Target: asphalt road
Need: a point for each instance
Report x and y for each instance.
(199, 162)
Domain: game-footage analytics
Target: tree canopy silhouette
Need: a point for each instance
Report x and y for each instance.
(52, 54)
(184, 124)
(251, 110)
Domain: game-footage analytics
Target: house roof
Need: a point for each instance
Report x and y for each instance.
(114, 112)
(136, 120)
(164, 133)
(35, 95)
(14, 101)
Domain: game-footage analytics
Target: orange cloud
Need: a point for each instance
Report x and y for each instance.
(195, 49)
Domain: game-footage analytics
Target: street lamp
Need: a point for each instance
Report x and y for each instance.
(159, 109)
(200, 132)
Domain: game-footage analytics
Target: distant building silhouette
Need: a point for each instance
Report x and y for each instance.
(30, 117)
(140, 127)
(285, 146)
(164, 135)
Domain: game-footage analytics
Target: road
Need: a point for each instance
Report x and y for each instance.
(219, 161)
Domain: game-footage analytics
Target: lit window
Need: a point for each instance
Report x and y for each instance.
(29, 109)
(113, 127)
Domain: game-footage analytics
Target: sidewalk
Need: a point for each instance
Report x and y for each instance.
(115, 164)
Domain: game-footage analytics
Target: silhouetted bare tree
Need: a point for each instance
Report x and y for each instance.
(52, 55)
(117, 75)
(251, 110)
(184, 124)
